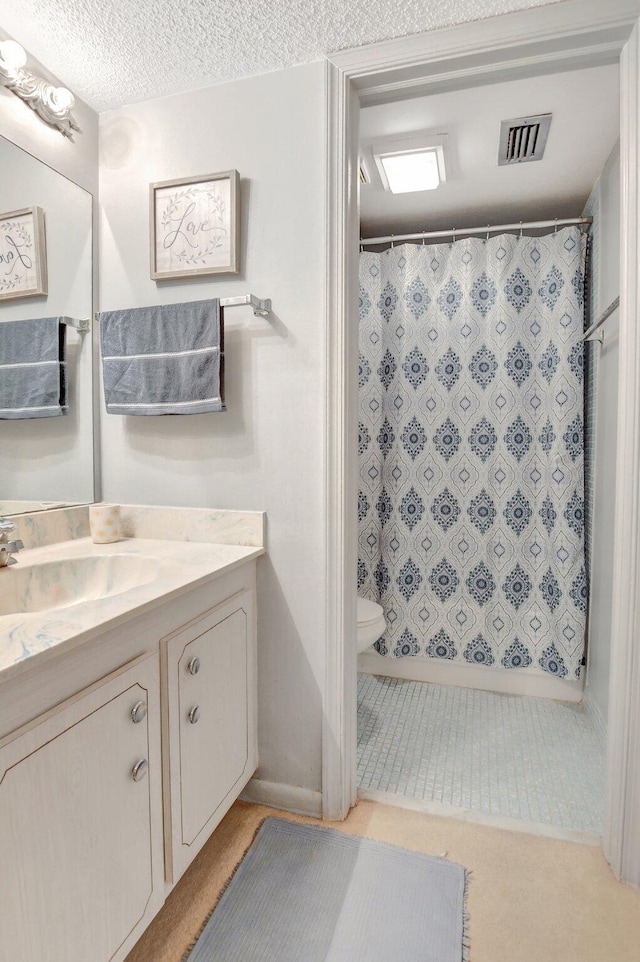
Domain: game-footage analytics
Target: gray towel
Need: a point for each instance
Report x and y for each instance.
(33, 382)
(164, 359)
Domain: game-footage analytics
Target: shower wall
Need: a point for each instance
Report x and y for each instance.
(471, 500)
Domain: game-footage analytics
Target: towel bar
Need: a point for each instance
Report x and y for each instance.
(83, 325)
(261, 307)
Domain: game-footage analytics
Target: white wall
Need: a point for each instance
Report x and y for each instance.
(266, 452)
(606, 268)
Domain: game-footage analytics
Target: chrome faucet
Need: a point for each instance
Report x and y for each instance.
(9, 544)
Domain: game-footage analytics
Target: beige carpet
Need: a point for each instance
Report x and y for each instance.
(531, 899)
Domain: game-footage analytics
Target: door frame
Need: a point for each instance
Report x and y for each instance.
(556, 37)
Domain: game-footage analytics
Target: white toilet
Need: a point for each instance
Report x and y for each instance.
(371, 623)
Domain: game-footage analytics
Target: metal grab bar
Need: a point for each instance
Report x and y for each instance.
(588, 334)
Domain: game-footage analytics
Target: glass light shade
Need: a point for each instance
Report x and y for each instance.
(63, 98)
(414, 170)
(13, 54)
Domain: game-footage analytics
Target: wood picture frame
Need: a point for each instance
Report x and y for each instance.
(194, 226)
(23, 254)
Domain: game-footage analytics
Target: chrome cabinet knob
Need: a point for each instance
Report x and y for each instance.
(139, 770)
(194, 714)
(194, 666)
(138, 712)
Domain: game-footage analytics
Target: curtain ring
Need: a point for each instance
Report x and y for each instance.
(520, 230)
(488, 229)
(361, 247)
(392, 243)
(454, 235)
(556, 227)
(424, 239)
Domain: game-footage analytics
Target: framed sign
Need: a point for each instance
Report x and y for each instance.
(23, 254)
(194, 225)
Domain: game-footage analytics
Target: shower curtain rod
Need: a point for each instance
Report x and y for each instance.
(477, 230)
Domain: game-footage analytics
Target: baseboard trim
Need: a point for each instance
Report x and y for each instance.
(470, 676)
(430, 807)
(287, 798)
(593, 711)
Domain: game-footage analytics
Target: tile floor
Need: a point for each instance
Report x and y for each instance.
(503, 755)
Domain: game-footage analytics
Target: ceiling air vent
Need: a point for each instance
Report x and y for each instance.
(523, 139)
(364, 173)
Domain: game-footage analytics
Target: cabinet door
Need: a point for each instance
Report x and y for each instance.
(211, 682)
(80, 839)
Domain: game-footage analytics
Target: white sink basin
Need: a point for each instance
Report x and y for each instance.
(32, 588)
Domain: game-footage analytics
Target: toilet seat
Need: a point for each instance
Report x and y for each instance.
(371, 623)
(368, 612)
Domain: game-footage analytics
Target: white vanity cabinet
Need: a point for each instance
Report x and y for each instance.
(81, 823)
(120, 756)
(210, 719)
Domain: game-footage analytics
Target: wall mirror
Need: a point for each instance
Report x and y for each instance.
(48, 462)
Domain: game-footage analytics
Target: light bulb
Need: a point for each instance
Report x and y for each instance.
(63, 99)
(12, 54)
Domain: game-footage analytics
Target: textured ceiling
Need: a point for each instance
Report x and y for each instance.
(112, 52)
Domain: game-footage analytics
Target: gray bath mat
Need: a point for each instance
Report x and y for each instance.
(304, 893)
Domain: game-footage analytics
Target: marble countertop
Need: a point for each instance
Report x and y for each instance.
(164, 570)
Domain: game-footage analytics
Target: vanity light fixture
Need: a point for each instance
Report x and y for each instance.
(411, 163)
(52, 104)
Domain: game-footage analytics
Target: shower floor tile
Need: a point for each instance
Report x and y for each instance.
(504, 755)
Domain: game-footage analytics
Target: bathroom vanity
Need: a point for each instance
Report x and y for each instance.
(127, 728)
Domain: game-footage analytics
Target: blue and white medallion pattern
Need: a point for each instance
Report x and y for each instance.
(471, 502)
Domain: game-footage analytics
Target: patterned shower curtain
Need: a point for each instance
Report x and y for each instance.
(471, 501)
